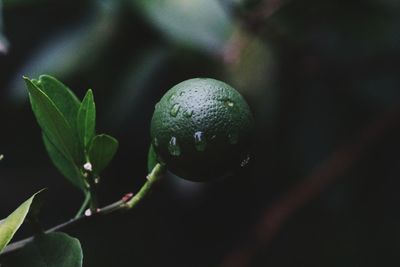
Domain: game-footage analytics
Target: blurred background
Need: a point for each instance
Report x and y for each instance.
(322, 79)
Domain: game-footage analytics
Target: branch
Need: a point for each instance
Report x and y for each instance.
(309, 188)
(127, 202)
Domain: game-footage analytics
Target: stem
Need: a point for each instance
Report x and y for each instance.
(152, 178)
(126, 202)
(94, 204)
(84, 205)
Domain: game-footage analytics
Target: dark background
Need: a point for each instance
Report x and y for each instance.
(322, 79)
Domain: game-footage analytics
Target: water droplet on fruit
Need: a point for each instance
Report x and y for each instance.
(245, 161)
(171, 98)
(174, 110)
(229, 103)
(199, 141)
(173, 147)
(156, 142)
(233, 138)
(188, 113)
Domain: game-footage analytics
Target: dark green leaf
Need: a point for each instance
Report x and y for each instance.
(48, 250)
(64, 165)
(87, 119)
(52, 122)
(101, 152)
(151, 159)
(10, 225)
(63, 98)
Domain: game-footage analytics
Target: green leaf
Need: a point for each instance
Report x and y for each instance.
(48, 250)
(53, 123)
(63, 98)
(151, 159)
(196, 23)
(65, 166)
(10, 225)
(87, 119)
(101, 152)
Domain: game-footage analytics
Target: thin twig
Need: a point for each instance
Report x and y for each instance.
(118, 205)
(309, 188)
(128, 201)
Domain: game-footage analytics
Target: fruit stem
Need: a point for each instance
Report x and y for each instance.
(152, 178)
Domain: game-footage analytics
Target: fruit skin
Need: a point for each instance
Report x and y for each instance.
(202, 129)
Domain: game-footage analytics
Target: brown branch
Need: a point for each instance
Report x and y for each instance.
(309, 188)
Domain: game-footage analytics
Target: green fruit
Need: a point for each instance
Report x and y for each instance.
(202, 129)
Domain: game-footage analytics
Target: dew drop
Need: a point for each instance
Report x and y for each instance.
(245, 161)
(188, 113)
(174, 110)
(199, 141)
(171, 98)
(88, 213)
(233, 138)
(173, 147)
(88, 166)
(229, 103)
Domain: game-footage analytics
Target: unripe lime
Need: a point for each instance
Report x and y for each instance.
(202, 129)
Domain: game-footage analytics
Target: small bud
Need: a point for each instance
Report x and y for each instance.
(88, 166)
(88, 212)
(1, 156)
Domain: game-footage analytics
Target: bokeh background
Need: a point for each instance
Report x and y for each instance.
(323, 81)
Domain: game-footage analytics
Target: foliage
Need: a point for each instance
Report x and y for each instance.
(68, 130)
(68, 127)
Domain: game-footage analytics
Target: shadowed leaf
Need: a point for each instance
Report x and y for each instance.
(101, 152)
(64, 165)
(48, 250)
